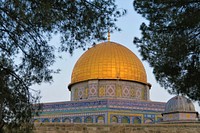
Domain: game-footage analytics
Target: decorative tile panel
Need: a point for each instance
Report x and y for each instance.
(119, 90)
(138, 93)
(86, 93)
(92, 90)
(101, 91)
(110, 90)
(132, 92)
(81, 93)
(126, 91)
(76, 93)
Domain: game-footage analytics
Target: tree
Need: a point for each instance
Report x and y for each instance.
(26, 57)
(170, 42)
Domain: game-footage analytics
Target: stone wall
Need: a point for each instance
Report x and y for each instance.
(98, 128)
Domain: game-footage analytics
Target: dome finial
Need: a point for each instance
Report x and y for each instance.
(109, 35)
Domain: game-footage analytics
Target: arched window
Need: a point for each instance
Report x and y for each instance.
(100, 119)
(137, 120)
(36, 120)
(67, 120)
(114, 119)
(125, 120)
(56, 120)
(77, 120)
(45, 120)
(88, 119)
(148, 121)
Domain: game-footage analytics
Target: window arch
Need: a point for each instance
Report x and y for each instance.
(88, 119)
(114, 119)
(46, 120)
(148, 121)
(137, 120)
(100, 119)
(77, 120)
(56, 120)
(36, 120)
(67, 120)
(125, 120)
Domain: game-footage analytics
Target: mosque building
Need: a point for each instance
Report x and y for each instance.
(109, 86)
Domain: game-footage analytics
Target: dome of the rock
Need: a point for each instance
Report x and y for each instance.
(108, 60)
(109, 70)
(109, 86)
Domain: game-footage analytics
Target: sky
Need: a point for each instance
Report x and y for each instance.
(130, 23)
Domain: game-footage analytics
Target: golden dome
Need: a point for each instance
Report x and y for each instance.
(108, 60)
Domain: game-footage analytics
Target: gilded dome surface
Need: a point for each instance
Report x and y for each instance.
(179, 104)
(108, 60)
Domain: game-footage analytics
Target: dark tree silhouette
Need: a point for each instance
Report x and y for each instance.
(26, 58)
(170, 42)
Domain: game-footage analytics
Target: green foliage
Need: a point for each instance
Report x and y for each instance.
(170, 42)
(26, 58)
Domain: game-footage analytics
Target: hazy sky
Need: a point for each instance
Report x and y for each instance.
(130, 23)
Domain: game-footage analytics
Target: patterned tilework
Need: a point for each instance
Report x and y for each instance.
(129, 119)
(92, 90)
(102, 91)
(81, 93)
(76, 93)
(117, 89)
(132, 92)
(86, 93)
(102, 111)
(110, 90)
(124, 117)
(126, 91)
(180, 116)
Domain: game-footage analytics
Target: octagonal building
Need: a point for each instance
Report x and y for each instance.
(108, 86)
(109, 71)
